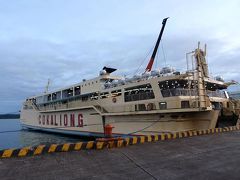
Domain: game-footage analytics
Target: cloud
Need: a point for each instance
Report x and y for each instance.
(67, 42)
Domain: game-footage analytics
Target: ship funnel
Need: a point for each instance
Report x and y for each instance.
(108, 69)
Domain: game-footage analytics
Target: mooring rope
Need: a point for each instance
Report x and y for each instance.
(10, 131)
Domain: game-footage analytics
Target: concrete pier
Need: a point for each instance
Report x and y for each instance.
(214, 156)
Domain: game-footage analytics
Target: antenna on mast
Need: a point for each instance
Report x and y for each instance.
(47, 86)
(150, 63)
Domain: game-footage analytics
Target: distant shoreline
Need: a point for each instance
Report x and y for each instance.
(9, 116)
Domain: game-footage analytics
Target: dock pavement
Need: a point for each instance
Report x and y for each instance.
(214, 156)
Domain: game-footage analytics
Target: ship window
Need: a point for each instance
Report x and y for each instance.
(77, 90)
(137, 93)
(185, 104)
(54, 96)
(162, 105)
(39, 99)
(104, 95)
(216, 105)
(216, 93)
(116, 93)
(178, 88)
(94, 96)
(173, 84)
(213, 87)
(45, 98)
(58, 95)
(67, 93)
(141, 107)
(49, 97)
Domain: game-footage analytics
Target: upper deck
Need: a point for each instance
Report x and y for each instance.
(165, 91)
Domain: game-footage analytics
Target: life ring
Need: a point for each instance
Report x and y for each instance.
(114, 100)
(150, 106)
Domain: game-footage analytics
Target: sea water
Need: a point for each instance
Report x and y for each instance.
(13, 136)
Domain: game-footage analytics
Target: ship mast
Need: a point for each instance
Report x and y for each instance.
(150, 63)
(47, 86)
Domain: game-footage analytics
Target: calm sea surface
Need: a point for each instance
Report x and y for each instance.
(12, 136)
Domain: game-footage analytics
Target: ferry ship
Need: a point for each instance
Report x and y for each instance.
(156, 101)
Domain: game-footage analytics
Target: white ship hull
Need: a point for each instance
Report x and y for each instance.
(86, 122)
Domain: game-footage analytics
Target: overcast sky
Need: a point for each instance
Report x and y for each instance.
(67, 41)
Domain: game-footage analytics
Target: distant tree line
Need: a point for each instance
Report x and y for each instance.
(9, 116)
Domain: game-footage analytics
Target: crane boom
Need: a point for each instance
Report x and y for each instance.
(150, 63)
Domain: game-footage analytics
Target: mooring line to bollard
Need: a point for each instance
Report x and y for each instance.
(108, 143)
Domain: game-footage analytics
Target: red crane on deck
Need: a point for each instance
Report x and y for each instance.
(150, 63)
